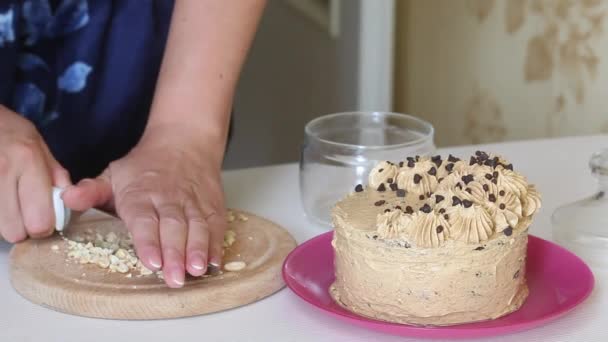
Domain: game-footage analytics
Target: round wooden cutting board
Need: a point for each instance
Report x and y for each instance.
(45, 275)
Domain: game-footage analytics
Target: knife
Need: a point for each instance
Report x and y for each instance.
(63, 214)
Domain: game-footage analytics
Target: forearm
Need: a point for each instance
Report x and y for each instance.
(207, 45)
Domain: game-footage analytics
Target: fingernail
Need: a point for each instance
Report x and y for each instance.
(178, 278)
(198, 262)
(155, 262)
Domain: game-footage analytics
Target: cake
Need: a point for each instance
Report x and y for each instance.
(433, 241)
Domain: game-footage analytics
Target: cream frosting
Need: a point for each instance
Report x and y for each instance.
(418, 177)
(392, 224)
(471, 225)
(531, 202)
(428, 229)
(449, 249)
(382, 173)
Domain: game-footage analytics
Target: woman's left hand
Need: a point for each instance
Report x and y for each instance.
(168, 192)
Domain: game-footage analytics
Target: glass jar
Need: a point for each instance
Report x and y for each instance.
(340, 150)
(582, 226)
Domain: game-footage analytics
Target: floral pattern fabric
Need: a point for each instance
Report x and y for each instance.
(83, 71)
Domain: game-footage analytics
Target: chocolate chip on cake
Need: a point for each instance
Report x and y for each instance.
(452, 159)
(439, 198)
(417, 178)
(495, 181)
(380, 171)
(492, 198)
(442, 210)
(381, 187)
(473, 161)
(456, 201)
(486, 187)
(482, 155)
(421, 197)
(446, 216)
(387, 210)
(508, 231)
(495, 174)
(398, 207)
(439, 180)
(426, 208)
(516, 275)
(502, 206)
(467, 179)
(358, 188)
(389, 181)
(393, 186)
(490, 162)
(400, 193)
(480, 248)
(458, 185)
(400, 164)
(432, 171)
(409, 210)
(379, 203)
(467, 203)
(437, 160)
(468, 190)
(501, 193)
(488, 176)
(449, 167)
(439, 229)
(509, 167)
(411, 163)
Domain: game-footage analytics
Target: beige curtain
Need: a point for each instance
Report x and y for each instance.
(493, 70)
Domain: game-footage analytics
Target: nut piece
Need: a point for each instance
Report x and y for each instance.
(235, 266)
(230, 216)
(229, 238)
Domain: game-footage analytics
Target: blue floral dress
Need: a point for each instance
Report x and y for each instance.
(84, 72)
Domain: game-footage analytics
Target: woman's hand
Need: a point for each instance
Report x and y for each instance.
(167, 191)
(28, 172)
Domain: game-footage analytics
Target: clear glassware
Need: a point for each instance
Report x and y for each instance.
(582, 226)
(340, 149)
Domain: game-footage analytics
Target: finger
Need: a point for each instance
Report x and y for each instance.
(11, 225)
(88, 193)
(198, 242)
(173, 234)
(141, 220)
(217, 227)
(59, 175)
(34, 188)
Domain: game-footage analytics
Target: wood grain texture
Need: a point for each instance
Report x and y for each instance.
(47, 277)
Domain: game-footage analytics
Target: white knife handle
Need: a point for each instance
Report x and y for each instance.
(62, 214)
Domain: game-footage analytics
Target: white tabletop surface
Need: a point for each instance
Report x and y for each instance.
(558, 167)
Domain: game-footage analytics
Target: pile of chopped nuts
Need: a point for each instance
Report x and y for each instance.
(117, 254)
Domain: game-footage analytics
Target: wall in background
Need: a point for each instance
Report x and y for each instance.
(295, 71)
(492, 70)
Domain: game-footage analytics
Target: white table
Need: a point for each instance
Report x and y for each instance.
(558, 167)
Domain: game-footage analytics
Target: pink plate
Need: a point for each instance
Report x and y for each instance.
(558, 282)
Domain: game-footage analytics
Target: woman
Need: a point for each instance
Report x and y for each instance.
(88, 90)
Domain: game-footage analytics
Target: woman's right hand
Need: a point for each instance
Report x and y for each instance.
(28, 171)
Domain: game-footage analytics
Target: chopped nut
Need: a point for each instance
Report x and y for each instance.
(229, 238)
(235, 266)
